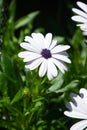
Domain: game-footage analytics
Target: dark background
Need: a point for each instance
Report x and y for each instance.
(54, 17)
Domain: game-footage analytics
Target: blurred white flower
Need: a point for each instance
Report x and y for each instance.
(43, 52)
(81, 16)
(78, 109)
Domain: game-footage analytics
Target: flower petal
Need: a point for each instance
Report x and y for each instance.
(53, 44)
(75, 114)
(62, 58)
(33, 65)
(29, 47)
(47, 40)
(39, 39)
(80, 104)
(80, 125)
(83, 27)
(82, 6)
(83, 94)
(31, 56)
(79, 12)
(37, 36)
(60, 65)
(60, 48)
(85, 33)
(49, 75)
(43, 68)
(23, 54)
(36, 40)
(74, 111)
(79, 19)
(52, 70)
(28, 39)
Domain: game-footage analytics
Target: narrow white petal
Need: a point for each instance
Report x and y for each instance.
(79, 19)
(23, 54)
(25, 45)
(49, 75)
(52, 70)
(33, 65)
(29, 47)
(85, 33)
(83, 91)
(77, 108)
(75, 114)
(48, 40)
(60, 65)
(53, 44)
(61, 57)
(80, 125)
(37, 36)
(82, 6)
(79, 12)
(81, 24)
(83, 94)
(28, 39)
(39, 40)
(60, 48)
(73, 111)
(52, 67)
(43, 68)
(84, 27)
(80, 104)
(36, 42)
(31, 56)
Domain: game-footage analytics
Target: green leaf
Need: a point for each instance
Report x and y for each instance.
(28, 19)
(71, 85)
(8, 67)
(12, 9)
(1, 5)
(77, 38)
(4, 100)
(57, 83)
(3, 84)
(84, 53)
(59, 39)
(18, 96)
(38, 99)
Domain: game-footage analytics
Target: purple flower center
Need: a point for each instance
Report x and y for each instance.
(46, 53)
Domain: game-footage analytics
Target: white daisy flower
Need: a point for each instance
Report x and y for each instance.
(81, 16)
(43, 52)
(78, 109)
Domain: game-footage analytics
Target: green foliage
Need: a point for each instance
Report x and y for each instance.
(28, 102)
(26, 20)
